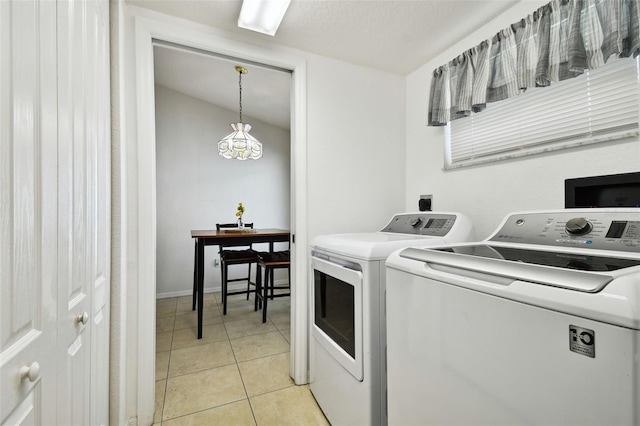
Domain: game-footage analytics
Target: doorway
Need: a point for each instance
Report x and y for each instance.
(196, 99)
(148, 31)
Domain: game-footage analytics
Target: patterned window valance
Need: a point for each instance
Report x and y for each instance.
(558, 41)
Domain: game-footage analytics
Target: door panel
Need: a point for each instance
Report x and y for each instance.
(26, 413)
(99, 152)
(28, 217)
(74, 208)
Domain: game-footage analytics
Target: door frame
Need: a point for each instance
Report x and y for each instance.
(206, 38)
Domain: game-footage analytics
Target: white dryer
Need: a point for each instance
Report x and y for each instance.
(348, 376)
(537, 325)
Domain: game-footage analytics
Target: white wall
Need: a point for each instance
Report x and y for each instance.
(197, 188)
(487, 193)
(355, 147)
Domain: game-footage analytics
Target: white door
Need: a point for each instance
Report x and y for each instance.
(74, 290)
(54, 192)
(83, 179)
(98, 141)
(28, 216)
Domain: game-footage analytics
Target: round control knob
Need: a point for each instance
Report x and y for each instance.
(32, 372)
(578, 226)
(415, 221)
(82, 318)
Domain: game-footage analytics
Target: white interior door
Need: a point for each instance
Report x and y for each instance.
(98, 110)
(74, 290)
(83, 179)
(54, 212)
(28, 216)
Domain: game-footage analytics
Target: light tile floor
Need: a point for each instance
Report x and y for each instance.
(237, 374)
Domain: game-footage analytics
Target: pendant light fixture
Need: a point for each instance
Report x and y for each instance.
(240, 144)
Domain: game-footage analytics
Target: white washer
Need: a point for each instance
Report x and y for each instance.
(347, 349)
(538, 324)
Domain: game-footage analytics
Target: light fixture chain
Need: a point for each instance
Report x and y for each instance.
(240, 85)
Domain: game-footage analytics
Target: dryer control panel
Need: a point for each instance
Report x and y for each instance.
(601, 229)
(424, 223)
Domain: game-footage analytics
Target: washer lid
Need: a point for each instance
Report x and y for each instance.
(576, 261)
(572, 271)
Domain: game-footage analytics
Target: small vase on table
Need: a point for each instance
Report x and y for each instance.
(239, 213)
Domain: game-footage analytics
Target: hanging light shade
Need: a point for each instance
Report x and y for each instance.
(240, 144)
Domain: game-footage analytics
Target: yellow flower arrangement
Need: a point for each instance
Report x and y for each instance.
(240, 209)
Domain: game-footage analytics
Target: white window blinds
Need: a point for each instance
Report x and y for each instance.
(598, 106)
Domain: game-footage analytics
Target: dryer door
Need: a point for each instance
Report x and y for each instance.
(337, 306)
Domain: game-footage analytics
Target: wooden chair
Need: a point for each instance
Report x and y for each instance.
(237, 255)
(265, 284)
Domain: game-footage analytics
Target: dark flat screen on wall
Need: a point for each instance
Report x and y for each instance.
(622, 190)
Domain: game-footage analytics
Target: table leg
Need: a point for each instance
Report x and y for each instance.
(200, 266)
(195, 276)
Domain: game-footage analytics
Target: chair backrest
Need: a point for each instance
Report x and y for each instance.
(220, 226)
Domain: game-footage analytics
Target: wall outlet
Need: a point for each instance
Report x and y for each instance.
(425, 203)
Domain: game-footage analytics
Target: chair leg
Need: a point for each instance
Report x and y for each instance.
(224, 288)
(249, 282)
(258, 299)
(272, 282)
(267, 273)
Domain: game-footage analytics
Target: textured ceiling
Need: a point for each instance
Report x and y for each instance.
(391, 35)
(388, 35)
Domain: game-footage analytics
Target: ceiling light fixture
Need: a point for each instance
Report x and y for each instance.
(263, 16)
(240, 144)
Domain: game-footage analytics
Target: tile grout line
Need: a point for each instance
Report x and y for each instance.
(166, 382)
(244, 386)
(237, 362)
(253, 413)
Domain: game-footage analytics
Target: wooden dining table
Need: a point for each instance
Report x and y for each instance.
(223, 237)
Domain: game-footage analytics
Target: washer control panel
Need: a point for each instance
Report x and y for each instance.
(433, 224)
(602, 229)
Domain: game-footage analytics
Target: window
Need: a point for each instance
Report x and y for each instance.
(598, 106)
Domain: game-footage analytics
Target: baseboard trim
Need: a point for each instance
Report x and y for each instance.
(232, 287)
